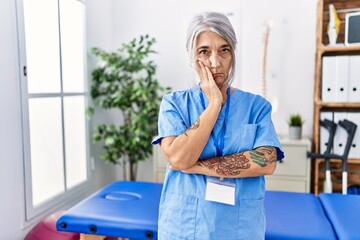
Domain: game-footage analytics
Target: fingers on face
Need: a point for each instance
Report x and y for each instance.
(209, 74)
(204, 71)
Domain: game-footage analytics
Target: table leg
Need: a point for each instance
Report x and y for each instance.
(91, 237)
(94, 237)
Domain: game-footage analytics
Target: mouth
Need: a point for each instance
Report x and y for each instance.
(215, 75)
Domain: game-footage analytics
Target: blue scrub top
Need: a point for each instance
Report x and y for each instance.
(184, 213)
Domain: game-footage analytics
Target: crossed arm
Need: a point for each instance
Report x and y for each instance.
(185, 152)
(258, 162)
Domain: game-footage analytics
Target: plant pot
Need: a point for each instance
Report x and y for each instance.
(294, 132)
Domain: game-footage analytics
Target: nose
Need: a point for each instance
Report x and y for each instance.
(214, 61)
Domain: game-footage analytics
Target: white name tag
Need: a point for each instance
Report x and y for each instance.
(220, 193)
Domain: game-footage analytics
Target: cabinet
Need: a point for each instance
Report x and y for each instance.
(294, 171)
(292, 174)
(159, 164)
(335, 97)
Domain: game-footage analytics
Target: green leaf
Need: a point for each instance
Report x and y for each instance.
(109, 140)
(96, 137)
(296, 120)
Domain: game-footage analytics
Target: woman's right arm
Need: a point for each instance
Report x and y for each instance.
(183, 151)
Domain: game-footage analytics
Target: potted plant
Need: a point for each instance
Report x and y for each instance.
(125, 80)
(295, 126)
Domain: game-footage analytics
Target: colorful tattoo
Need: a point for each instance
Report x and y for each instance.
(263, 156)
(231, 165)
(193, 127)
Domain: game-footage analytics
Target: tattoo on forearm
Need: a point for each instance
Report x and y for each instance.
(230, 165)
(193, 127)
(263, 156)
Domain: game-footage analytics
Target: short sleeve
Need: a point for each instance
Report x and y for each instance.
(265, 133)
(170, 122)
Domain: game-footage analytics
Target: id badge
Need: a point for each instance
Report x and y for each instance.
(220, 190)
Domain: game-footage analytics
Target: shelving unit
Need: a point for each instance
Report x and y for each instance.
(322, 49)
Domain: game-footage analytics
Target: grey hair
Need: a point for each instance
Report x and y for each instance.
(213, 22)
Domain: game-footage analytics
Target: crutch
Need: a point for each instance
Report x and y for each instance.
(350, 128)
(331, 127)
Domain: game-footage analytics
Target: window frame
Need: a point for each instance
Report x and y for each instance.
(69, 196)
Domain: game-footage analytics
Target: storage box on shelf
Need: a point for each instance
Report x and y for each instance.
(343, 98)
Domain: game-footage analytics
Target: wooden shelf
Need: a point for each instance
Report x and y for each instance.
(348, 106)
(339, 49)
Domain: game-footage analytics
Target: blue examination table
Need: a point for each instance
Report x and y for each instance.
(291, 215)
(343, 211)
(130, 210)
(121, 209)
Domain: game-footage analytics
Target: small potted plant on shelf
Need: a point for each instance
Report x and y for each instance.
(295, 126)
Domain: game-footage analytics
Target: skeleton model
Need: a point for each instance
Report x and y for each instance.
(267, 25)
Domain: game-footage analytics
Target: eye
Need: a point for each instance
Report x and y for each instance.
(225, 50)
(203, 52)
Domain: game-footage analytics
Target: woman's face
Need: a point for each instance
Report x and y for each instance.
(214, 52)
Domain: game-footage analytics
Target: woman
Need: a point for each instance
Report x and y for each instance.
(219, 142)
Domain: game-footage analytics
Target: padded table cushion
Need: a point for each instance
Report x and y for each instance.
(343, 212)
(121, 209)
(291, 215)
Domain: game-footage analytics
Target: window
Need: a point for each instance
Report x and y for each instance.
(54, 96)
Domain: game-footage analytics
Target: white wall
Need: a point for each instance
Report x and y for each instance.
(100, 33)
(11, 210)
(291, 56)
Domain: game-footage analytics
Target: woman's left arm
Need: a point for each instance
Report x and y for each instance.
(258, 162)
